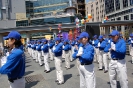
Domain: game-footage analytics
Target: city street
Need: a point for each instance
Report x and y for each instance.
(39, 79)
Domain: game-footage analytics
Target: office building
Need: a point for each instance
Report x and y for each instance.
(36, 12)
(9, 10)
(96, 9)
(81, 7)
(119, 10)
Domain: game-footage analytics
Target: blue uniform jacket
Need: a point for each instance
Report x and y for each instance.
(45, 48)
(39, 47)
(90, 41)
(70, 47)
(21, 47)
(32, 46)
(120, 51)
(66, 47)
(96, 43)
(129, 41)
(15, 65)
(51, 45)
(58, 50)
(76, 51)
(102, 45)
(108, 46)
(29, 45)
(61, 43)
(106, 39)
(73, 43)
(88, 54)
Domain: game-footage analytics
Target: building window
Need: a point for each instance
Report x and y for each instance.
(119, 18)
(91, 11)
(125, 3)
(131, 2)
(117, 3)
(92, 19)
(126, 17)
(119, 28)
(96, 3)
(92, 5)
(103, 6)
(131, 16)
(109, 6)
(113, 19)
(96, 8)
(100, 1)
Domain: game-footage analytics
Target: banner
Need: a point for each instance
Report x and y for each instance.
(65, 35)
(70, 35)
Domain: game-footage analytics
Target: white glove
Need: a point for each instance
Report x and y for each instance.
(54, 48)
(36, 47)
(3, 60)
(93, 42)
(80, 51)
(63, 46)
(131, 41)
(41, 47)
(7, 54)
(108, 41)
(112, 46)
(99, 44)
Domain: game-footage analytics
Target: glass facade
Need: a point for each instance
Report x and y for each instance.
(45, 7)
(109, 6)
(70, 19)
(22, 23)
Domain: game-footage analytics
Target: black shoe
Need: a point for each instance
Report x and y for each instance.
(47, 71)
(106, 71)
(67, 68)
(56, 81)
(100, 69)
(41, 65)
(60, 83)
